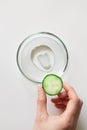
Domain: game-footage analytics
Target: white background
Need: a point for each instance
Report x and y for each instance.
(20, 18)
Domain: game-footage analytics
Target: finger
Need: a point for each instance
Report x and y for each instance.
(60, 106)
(78, 113)
(70, 91)
(62, 94)
(62, 102)
(65, 102)
(73, 104)
(56, 100)
(73, 109)
(41, 101)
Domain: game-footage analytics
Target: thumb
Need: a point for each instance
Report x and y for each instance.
(41, 102)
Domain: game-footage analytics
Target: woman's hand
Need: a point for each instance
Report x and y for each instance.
(68, 101)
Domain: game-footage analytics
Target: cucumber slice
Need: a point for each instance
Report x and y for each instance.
(52, 84)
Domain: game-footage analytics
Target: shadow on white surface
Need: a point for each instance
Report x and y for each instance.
(52, 110)
(80, 125)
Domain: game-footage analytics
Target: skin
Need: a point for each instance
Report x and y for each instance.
(68, 101)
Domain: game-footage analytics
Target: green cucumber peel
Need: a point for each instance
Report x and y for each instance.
(52, 84)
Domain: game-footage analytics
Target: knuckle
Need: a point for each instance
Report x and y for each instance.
(81, 102)
(68, 123)
(78, 101)
(41, 118)
(71, 88)
(41, 100)
(37, 119)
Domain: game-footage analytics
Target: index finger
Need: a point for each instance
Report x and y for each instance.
(70, 91)
(71, 108)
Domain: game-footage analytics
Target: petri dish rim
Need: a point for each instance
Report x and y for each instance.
(31, 36)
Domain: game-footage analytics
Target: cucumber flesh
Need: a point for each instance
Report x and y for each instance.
(52, 84)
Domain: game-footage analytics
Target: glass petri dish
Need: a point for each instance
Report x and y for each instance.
(41, 54)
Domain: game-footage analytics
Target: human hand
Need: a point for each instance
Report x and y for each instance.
(67, 100)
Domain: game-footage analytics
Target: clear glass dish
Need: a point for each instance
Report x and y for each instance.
(40, 54)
